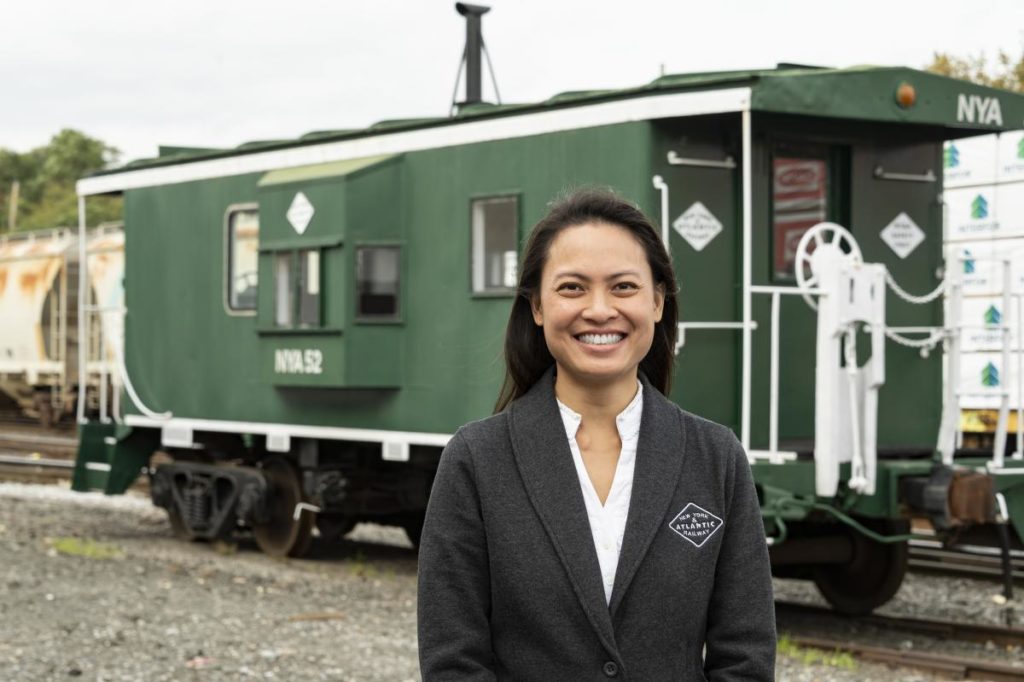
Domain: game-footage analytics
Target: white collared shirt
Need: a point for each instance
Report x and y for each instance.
(608, 521)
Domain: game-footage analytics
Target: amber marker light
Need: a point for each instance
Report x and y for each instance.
(906, 95)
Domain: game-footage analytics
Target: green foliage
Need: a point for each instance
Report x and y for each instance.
(89, 549)
(1006, 73)
(46, 178)
(807, 656)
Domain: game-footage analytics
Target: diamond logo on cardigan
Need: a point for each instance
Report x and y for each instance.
(695, 524)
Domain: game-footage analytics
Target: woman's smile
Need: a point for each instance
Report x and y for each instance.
(600, 338)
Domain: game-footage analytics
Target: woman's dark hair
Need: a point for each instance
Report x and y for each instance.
(526, 353)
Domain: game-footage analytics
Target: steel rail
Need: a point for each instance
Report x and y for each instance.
(11, 459)
(987, 566)
(941, 629)
(957, 667)
(39, 439)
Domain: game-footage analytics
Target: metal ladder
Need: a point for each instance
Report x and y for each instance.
(950, 435)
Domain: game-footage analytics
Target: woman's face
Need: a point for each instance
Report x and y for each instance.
(598, 303)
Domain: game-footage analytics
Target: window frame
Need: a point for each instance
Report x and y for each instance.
(296, 272)
(496, 292)
(228, 275)
(835, 156)
(301, 277)
(399, 317)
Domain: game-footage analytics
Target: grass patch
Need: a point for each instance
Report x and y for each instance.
(809, 656)
(361, 567)
(90, 549)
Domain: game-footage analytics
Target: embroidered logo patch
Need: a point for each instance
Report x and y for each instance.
(695, 524)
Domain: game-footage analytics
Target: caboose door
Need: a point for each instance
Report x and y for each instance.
(698, 162)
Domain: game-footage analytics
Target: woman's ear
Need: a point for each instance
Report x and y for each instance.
(538, 317)
(659, 302)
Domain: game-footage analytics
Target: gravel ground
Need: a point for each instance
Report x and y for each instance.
(161, 609)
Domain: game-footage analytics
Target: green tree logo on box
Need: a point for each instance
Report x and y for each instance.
(979, 207)
(1020, 148)
(989, 375)
(951, 156)
(992, 316)
(968, 262)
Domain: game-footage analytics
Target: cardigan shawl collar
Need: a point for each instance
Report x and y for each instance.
(544, 460)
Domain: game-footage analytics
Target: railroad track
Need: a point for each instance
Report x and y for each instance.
(34, 468)
(54, 445)
(955, 667)
(976, 633)
(36, 456)
(31, 454)
(959, 667)
(972, 561)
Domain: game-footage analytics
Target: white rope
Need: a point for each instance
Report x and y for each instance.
(910, 298)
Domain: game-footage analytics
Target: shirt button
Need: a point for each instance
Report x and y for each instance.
(611, 669)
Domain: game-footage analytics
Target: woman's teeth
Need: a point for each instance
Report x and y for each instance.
(600, 339)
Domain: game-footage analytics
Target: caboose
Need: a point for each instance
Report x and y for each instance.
(308, 321)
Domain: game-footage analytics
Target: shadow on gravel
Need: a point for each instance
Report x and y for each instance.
(359, 550)
(379, 554)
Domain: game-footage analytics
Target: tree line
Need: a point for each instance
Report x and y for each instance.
(37, 188)
(1005, 72)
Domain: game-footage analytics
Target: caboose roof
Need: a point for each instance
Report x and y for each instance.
(867, 94)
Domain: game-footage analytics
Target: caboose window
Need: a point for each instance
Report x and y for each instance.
(309, 288)
(243, 237)
(377, 280)
(283, 292)
(495, 244)
(297, 288)
(800, 187)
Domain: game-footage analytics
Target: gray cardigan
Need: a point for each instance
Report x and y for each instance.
(509, 582)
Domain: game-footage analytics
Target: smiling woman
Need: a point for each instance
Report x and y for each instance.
(591, 528)
(598, 305)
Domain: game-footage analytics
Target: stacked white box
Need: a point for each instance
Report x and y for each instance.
(984, 212)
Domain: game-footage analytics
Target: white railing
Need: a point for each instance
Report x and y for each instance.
(772, 454)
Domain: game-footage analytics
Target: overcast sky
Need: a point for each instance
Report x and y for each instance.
(221, 72)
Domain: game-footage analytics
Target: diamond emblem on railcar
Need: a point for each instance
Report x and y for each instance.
(697, 225)
(300, 212)
(902, 235)
(695, 524)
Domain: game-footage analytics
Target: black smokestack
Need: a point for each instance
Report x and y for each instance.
(474, 49)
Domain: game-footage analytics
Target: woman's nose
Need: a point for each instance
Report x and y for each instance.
(600, 307)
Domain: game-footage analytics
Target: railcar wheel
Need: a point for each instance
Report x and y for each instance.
(872, 576)
(282, 535)
(179, 529)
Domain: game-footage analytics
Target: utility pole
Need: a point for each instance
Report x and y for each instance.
(12, 207)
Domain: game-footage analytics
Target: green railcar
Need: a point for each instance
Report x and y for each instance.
(307, 322)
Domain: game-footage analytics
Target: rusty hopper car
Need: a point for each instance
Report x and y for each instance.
(40, 333)
(309, 321)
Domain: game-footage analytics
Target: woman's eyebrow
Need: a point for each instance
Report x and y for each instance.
(586, 278)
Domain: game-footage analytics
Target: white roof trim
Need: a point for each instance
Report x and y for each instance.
(293, 430)
(466, 132)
